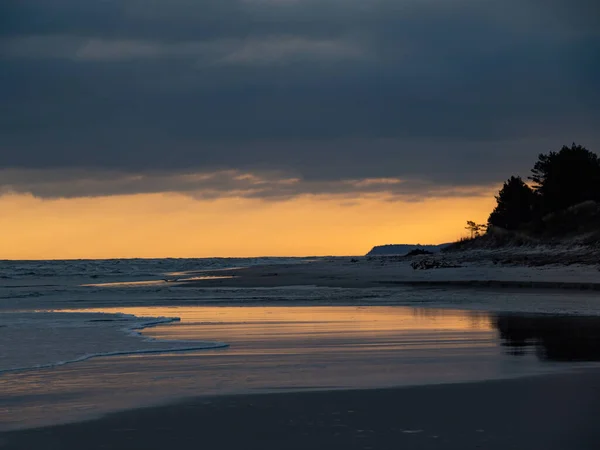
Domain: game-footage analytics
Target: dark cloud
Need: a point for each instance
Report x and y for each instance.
(457, 93)
(70, 183)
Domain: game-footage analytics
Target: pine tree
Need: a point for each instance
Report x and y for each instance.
(566, 178)
(515, 205)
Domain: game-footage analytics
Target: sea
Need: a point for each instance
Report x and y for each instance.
(82, 338)
(44, 305)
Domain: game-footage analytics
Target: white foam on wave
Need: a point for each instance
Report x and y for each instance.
(47, 339)
(117, 353)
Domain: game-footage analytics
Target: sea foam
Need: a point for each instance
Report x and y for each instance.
(46, 339)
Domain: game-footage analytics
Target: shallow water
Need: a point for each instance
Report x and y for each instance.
(295, 348)
(34, 340)
(58, 314)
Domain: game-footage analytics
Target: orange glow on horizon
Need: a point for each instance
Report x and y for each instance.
(175, 225)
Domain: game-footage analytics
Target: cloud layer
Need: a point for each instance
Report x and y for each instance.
(442, 95)
(72, 183)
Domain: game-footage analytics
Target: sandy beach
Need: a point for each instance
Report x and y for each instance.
(328, 353)
(464, 270)
(556, 412)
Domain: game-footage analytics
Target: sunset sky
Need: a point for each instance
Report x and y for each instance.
(154, 128)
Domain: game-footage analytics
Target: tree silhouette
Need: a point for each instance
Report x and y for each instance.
(515, 205)
(566, 178)
(475, 229)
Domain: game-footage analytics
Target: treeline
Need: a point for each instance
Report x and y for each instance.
(558, 181)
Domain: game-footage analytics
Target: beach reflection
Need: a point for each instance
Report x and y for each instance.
(302, 329)
(552, 338)
(275, 349)
(305, 329)
(163, 282)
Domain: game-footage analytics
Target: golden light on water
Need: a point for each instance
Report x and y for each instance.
(242, 324)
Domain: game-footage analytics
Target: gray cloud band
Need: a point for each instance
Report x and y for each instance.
(224, 184)
(454, 94)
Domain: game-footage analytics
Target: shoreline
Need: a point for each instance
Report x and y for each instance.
(142, 344)
(554, 290)
(328, 366)
(553, 411)
(397, 271)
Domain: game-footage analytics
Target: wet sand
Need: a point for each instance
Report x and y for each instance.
(277, 349)
(547, 412)
(271, 349)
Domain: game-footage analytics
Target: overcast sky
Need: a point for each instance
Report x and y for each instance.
(275, 98)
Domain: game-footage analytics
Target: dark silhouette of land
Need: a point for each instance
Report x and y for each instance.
(560, 206)
(403, 249)
(560, 179)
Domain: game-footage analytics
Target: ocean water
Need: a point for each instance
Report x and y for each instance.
(82, 338)
(76, 279)
(36, 333)
(51, 285)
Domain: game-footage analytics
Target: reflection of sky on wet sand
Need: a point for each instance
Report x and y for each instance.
(302, 329)
(273, 349)
(153, 282)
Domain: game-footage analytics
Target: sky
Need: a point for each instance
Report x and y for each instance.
(155, 128)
